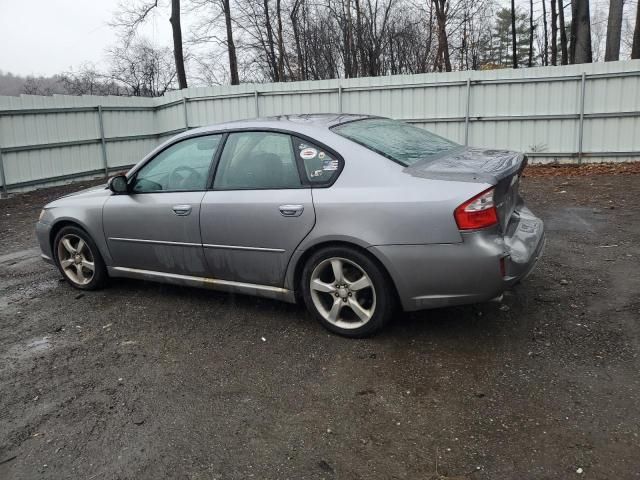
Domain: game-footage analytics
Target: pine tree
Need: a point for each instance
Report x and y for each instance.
(499, 54)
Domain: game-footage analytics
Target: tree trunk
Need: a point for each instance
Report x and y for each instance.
(563, 34)
(280, 43)
(359, 60)
(513, 34)
(302, 74)
(429, 39)
(231, 46)
(177, 43)
(614, 28)
(545, 57)
(442, 57)
(554, 34)
(635, 49)
(581, 46)
(530, 62)
(271, 53)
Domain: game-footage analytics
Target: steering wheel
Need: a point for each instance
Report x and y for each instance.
(177, 181)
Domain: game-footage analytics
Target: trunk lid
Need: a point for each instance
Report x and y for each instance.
(500, 168)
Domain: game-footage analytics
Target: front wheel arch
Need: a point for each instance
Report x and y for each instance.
(59, 225)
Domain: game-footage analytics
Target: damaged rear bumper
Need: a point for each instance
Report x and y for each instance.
(440, 275)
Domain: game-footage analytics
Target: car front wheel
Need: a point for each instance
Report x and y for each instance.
(347, 292)
(78, 259)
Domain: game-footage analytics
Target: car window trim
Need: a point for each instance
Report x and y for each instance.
(299, 135)
(216, 161)
(131, 179)
(225, 132)
(304, 183)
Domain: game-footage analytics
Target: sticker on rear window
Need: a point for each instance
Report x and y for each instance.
(329, 165)
(308, 153)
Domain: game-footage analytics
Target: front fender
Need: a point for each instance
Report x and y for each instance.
(88, 217)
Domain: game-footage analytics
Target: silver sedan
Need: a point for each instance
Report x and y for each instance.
(352, 215)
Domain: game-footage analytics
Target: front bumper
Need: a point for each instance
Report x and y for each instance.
(43, 232)
(440, 275)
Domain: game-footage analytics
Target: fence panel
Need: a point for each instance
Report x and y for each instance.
(568, 114)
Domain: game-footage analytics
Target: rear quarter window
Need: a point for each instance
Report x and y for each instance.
(319, 166)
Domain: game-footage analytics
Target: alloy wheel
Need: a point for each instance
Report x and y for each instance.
(76, 259)
(343, 293)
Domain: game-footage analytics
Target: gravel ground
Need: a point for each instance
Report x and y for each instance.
(152, 381)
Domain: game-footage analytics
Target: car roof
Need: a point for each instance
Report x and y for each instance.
(287, 122)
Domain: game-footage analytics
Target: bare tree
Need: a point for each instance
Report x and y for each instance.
(581, 51)
(531, 28)
(545, 55)
(145, 71)
(554, 34)
(563, 34)
(132, 15)
(231, 46)
(614, 31)
(205, 32)
(177, 43)
(514, 44)
(88, 80)
(443, 56)
(635, 48)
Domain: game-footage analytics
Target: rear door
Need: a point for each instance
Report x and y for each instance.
(156, 227)
(258, 211)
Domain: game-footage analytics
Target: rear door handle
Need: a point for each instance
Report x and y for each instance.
(291, 210)
(182, 210)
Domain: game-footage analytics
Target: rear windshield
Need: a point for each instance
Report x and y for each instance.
(399, 141)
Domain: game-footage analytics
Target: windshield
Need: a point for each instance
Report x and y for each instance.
(398, 141)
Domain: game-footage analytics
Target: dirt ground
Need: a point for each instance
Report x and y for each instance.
(144, 380)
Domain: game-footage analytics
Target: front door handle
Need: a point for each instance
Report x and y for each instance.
(182, 210)
(291, 210)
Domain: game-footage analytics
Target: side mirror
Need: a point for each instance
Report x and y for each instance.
(119, 185)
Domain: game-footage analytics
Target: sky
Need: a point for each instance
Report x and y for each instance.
(45, 37)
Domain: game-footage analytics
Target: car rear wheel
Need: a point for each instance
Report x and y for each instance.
(78, 259)
(347, 292)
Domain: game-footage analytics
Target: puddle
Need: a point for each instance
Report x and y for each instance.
(32, 348)
(39, 345)
(576, 219)
(28, 292)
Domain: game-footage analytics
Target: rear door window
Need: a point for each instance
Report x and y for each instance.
(257, 160)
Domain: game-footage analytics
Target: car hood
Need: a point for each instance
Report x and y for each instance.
(97, 191)
(469, 165)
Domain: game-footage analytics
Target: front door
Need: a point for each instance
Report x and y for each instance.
(258, 211)
(156, 227)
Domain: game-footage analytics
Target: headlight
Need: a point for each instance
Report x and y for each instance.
(42, 212)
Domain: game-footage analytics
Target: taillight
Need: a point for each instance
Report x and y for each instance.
(479, 212)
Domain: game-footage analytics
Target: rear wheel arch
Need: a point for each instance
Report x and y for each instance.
(304, 258)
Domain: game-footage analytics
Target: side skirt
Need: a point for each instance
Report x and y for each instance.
(266, 291)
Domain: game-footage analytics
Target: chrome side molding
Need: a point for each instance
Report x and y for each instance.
(155, 242)
(187, 244)
(238, 247)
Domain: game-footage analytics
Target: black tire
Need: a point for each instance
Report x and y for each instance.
(89, 253)
(378, 299)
